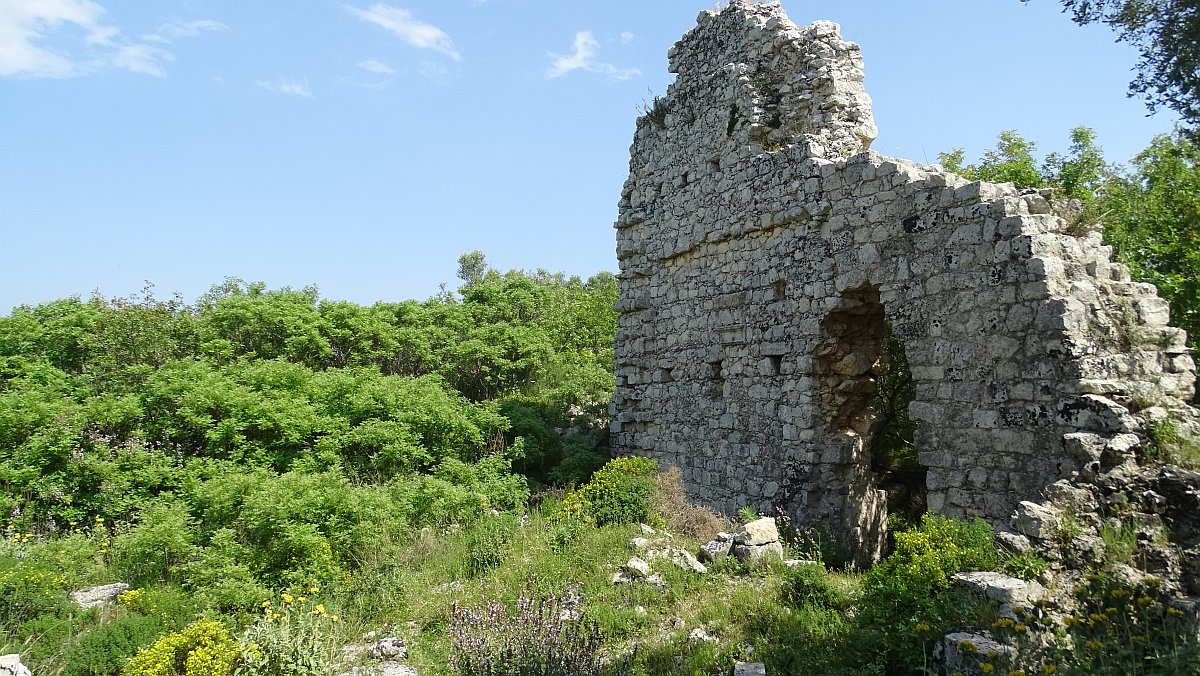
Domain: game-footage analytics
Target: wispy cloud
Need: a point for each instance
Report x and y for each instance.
(172, 31)
(142, 58)
(626, 37)
(35, 40)
(286, 85)
(376, 67)
(401, 23)
(583, 57)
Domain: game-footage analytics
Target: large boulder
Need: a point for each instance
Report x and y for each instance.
(759, 532)
(98, 596)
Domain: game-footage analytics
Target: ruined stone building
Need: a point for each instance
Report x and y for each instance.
(764, 254)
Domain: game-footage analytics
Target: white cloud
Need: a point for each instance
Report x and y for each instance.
(142, 58)
(169, 32)
(400, 22)
(626, 37)
(377, 67)
(22, 24)
(584, 58)
(34, 44)
(286, 85)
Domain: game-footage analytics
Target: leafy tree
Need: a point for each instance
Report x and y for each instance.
(1011, 161)
(1152, 220)
(1078, 174)
(1166, 34)
(472, 267)
(1082, 171)
(246, 320)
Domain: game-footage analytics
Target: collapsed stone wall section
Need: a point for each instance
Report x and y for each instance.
(763, 249)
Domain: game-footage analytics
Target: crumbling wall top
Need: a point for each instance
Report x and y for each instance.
(749, 75)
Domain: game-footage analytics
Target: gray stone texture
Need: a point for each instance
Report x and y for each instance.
(764, 252)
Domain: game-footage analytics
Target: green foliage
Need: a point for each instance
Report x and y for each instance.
(618, 493)
(1168, 445)
(160, 543)
(1078, 174)
(1166, 34)
(1120, 540)
(107, 648)
(294, 636)
(809, 585)
(1118, 628)
(1082, 172)
(907, 596)
(1152, 221)
(29, 590)
(1026, 565)
(1011, 161)
(202, 649)
(488, 543)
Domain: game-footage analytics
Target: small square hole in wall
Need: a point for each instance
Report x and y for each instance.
(664, 375)
(714, 166)
(779, 289)
(776, 364)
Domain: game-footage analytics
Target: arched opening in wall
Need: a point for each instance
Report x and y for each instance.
(864, 387)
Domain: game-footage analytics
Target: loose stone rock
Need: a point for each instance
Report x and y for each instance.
(97, 596)
(10, 665)
(749, 669)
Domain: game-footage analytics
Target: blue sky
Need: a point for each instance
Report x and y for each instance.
(363, 146)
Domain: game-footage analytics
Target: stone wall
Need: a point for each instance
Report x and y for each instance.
(765, 252)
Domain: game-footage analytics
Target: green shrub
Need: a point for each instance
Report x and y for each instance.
(488, 542)
(1026, 565)
(809, 585)
(619, 492)
(154, 550)
(202, 649)
(907, 597)
(107, 648)
(29, 590)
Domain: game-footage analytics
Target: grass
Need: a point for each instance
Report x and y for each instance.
(807, 620)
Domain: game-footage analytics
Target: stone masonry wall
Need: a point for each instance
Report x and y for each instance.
(763, 249)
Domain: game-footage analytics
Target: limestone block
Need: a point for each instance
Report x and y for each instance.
(10, 665)
(1034, 520)
(749, 669)
(1001, 588)
(754, 552)
(758, 532)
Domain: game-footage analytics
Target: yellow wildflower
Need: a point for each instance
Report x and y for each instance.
(287, 598)
(986, 667)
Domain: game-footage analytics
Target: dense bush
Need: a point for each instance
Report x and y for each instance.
(907, 597)
(202, 649)
(106, 649)
(619, 492)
